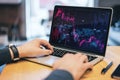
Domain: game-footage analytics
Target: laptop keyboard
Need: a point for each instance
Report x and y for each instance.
(60, 53)
(90, 58)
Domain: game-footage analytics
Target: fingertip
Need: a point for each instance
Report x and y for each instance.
(52, 48)
(89, 65)
(68, 54)
(46, 52)
(50, 52)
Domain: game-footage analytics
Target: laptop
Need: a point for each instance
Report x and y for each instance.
(78, 29)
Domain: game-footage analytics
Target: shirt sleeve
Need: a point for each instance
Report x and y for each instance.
(5, 56)
(60, 75)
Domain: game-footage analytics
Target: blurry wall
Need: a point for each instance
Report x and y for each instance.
(12, 20)
(114, 34)
(108, 3)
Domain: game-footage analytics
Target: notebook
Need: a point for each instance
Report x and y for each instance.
(78, 29)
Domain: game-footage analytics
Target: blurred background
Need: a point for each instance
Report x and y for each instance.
(23, 20)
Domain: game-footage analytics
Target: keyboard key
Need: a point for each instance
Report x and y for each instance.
(59, 52)
(90, 58)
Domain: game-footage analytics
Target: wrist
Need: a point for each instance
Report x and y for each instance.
(11, 54)
(14, 52)
(21, 52)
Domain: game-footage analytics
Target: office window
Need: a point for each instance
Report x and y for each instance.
(39, 15)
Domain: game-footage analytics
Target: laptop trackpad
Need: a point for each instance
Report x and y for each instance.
(46, 60)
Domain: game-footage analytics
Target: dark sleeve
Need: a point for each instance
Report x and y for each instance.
(5, 56)
(60, 75)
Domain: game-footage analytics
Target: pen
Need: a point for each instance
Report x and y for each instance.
(104, 70)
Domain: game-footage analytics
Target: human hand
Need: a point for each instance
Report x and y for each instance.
(32, 48)
(75, 64)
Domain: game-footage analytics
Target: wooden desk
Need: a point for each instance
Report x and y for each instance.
(25, 70)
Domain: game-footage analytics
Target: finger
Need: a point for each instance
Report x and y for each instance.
(84, 58)
(45, 51)
(56, 63)
(88, 66)
(67, 55)
(46, 44)
(78, 55)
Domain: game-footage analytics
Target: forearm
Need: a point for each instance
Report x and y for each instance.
(60, 75)
(5, 56)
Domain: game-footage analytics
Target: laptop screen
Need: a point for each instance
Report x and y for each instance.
(81, 28)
